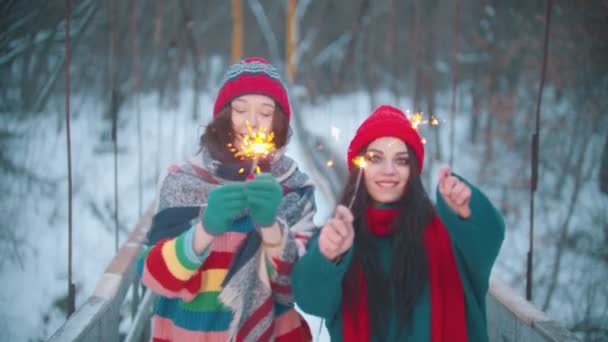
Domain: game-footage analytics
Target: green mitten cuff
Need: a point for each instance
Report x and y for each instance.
(264, 194)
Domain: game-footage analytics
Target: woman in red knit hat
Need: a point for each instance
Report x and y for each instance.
(394, 267)
(223, 242)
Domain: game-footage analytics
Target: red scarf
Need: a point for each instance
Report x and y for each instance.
(447, 296)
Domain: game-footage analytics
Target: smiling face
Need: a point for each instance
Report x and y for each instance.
(387, 170)
(253, 109)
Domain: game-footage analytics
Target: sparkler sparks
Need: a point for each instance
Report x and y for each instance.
(254, 146)
(361, 163)
(417, 119)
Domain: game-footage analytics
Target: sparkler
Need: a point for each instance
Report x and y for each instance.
(417, 120)
(361, 164)
(254, 146)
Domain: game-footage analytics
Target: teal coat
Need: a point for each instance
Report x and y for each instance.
(317, 282)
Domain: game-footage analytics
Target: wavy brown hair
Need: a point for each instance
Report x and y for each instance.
(219, 133)
(408, 273)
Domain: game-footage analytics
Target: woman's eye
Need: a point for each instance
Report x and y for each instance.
(266, 115)
(372, 158)
(403, 161)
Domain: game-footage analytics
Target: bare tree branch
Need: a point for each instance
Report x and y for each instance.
(358, 24)
(19, 45)
(302, 9)
(45, 91)
(267, 33)
(194, 55)
(603, 175)
(577, 187)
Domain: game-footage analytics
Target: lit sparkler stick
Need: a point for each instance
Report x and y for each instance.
(256, 145)
(361, 164)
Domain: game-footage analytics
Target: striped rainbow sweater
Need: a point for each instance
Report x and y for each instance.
(188, 308)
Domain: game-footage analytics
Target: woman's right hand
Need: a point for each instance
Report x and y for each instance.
(337, 234)
(223, 204)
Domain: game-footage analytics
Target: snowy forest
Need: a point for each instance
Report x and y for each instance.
(142, 80)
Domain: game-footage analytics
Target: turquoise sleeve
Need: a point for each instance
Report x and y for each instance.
(477, 240)
(317, 282)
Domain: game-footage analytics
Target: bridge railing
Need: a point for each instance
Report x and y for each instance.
(115, 300)
(510, 317)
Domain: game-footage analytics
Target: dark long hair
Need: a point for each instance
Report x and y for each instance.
(401, 287)
(219, 133)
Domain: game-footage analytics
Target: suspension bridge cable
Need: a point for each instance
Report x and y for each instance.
(157, 40)
(71, 287)
(534, 159)
(454, 78)
(136, 83)
(414, 54)
(114, 108)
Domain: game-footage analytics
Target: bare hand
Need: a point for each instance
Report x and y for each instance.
(338, 234)
(455, 192)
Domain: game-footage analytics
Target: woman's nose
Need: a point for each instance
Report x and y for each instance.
(252, 119)
(388, 167)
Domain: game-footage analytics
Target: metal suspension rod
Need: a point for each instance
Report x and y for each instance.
(454, 78)
(71, 287)
(114, 112)
(136, 82)
(534, 160)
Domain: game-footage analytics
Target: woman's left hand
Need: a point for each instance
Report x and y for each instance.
(456, 193)
(263, 195)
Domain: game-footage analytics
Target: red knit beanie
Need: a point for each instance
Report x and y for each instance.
(386, 121)
(253, 75)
